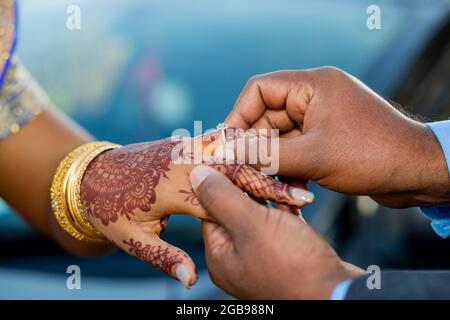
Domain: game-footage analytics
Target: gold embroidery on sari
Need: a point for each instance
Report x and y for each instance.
(21, 99)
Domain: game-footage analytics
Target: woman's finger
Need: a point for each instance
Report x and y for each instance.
(263, 186)
(296, 183)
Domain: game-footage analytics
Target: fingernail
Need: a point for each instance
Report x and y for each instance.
(197, 175)
(182, 274)
(303, 195)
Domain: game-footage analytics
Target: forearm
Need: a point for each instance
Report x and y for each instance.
(28, 162)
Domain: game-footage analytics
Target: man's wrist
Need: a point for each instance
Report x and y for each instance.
(441, 132)
(432, 176)
(439, 160)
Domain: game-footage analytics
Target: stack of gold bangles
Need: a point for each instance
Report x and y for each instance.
(65, 192)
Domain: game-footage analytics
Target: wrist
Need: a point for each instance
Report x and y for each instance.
(65, 192)
(433, 183)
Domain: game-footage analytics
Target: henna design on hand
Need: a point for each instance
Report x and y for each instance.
(119, 181)
(253, 182)
(190, 197)
(158, 256)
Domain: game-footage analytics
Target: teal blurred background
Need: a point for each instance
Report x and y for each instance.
(139, 69)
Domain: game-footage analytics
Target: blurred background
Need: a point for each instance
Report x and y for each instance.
(138, 69)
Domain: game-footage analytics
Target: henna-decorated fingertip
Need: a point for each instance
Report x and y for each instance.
(182, 273)
(302, 195)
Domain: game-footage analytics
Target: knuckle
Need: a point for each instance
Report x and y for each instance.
(253, 83)
(257, 80)
(253, 80)
(334, 72)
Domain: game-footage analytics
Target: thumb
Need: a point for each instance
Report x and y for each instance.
(223, 201)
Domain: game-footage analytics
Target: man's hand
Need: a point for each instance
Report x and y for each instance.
(339, 133)
(256, 252)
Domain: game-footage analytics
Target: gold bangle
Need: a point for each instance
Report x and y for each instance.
(65, 192)
(73, 194)
(70, 184)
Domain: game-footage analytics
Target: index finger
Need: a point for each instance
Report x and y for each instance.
(267, 91)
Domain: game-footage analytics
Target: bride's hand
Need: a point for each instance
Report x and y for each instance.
(128, 194)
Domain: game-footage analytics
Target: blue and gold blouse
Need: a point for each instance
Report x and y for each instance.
(21, 99)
